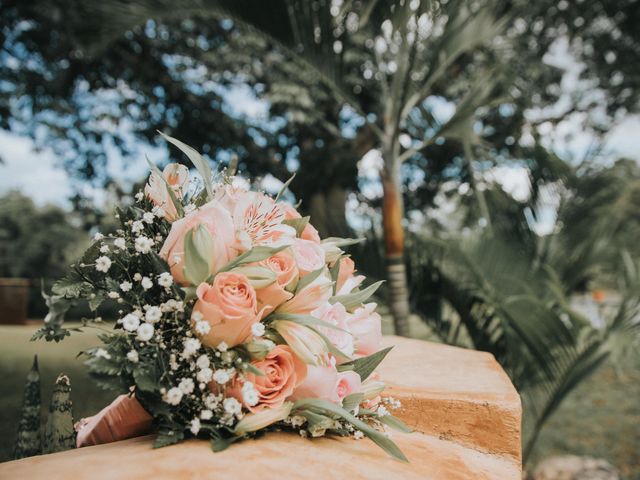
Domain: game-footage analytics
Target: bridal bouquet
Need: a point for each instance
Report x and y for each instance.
(234, 316)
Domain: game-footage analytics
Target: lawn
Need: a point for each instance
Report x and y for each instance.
(601, 418)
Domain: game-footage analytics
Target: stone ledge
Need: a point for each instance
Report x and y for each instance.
(455, 394)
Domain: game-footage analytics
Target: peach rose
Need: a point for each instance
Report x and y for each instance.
(366, 326)
(309, 256)
(229, 306)
(309, 232)
(348, 382)
(283, 372)
(335, 315)
(286, 270)
(321, 382)
(176, 177)
(218, 223)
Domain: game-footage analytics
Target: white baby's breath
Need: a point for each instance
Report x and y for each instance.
(257, 329)
(130, 322)
(145, 332)
(120, 243)
(203, 361)
(202, 327)
(186, 386)
(126, 286)
(103, 264)
(173, 396)
(165, 279)
(132, 356)
(206, 414)
(148, 217)
(191, 346)
(113, 295)
(223, 347)
(221, 376)
(204, 375)
(104, 249)
(139, 196)
(231, 406)
(143, 244)
(137, 226)
(98, 236)
(102, 353)
(153, 314)
(195, 426)
(137, 277)
(146, 283)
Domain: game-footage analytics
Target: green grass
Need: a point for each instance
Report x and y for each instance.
(601, 418)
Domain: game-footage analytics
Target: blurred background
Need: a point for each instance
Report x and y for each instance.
(487, 150)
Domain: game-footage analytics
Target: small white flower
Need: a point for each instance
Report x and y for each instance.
(103, 264)
(173, 396)
(98, 236)
(195, 426)
(186, 386)
(206, 414)
(249, 394)
(382, 411)
(232, 406)
(145, 332)
(146, 283)
(137, 226)
(148, 217)
(221, 376)
(297, 421)
(130, 322)
(104, 249)
(205, 375)
(358, 435)
(137, 277)
(196, 316)
(202, 327)
(153, 314)
(159, 212)
(165, 280)
(143, 244)
(223, 347)
(139, 196)
(211, 401)
(257, 329)
(102, 353)
(113, 295)
(120, 243)
(191, 346)
(203, 361)
(126, 286)
(132, 356)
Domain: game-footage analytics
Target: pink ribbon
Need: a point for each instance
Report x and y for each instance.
(123, 418)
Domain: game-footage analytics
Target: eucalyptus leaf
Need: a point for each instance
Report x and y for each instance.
(297, 223)
(351, 402)
(284, 187)
(196, 268)
(259, 277)
(395, 423)
(308, 279)
(256, 254)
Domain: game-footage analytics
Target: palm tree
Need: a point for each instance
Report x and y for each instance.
(383, 58)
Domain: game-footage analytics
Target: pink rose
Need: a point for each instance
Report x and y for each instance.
(229, 306)
(346, 281)
(286, 270)
(176, 177)
(218, 223)
(283, 372)
(309, 232)
(348, 382)
(366, 326)
(335, 315)
(309, 256)
(321, 382)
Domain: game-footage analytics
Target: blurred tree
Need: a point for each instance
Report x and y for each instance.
(36, 242)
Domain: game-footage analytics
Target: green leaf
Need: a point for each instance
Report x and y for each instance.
(218, 444)
(307, 320)
(284, 187)
(259, 277)
(196, 268)
(297, 223)
(167, 437)
(198, 161)
(70, 286)
(251, 368)
(355, 299)
(351, 402)
(322, 406)
(256, 254)
(395, 423)
(307, 279)
(365, 366)
(342, 242)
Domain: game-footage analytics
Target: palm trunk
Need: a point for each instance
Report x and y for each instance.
(392, 213)
(328, 212)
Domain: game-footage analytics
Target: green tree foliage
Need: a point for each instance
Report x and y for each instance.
(29, 440)
(36, 242)
(59, 434)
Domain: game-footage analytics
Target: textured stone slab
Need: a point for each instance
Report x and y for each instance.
(455, 394)
(277, 455)
(462, 405)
